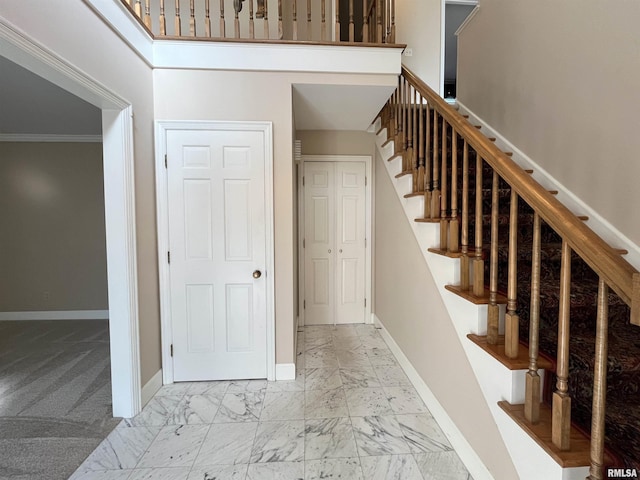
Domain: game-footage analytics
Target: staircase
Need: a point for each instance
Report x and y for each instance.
(552, 301)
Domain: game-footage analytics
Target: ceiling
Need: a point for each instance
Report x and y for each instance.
(33, 105)
(338, 107)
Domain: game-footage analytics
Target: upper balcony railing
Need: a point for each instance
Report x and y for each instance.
(330, 21)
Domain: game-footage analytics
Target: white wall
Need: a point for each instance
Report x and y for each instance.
(408, 303)
(560, 81)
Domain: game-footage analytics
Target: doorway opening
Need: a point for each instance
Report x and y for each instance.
(119, 208)
(455, 13)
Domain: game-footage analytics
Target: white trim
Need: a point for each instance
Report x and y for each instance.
(461, 2)
(596, 222)
(459, 443)
(276, 57)
(151, 387)
(56, 315)
(49, 138)
(117, 146)
(161, 129)
(122, 273)
(368, 274)
(285, 371)
(467, 20)
(18, 47)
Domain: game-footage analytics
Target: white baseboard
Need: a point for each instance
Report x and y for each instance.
(56, 315)
(151, 387)
(285, 371)
(596, 222)
(464, 450)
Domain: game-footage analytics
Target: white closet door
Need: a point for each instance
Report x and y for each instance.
(217, 241)
(350, 241)
(334, 236)
(319, 238)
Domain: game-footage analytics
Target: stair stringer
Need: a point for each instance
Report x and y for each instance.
(496, 381)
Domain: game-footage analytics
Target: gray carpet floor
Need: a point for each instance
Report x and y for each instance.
(55, 396)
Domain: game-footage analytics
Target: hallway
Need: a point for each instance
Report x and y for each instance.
(351, 414)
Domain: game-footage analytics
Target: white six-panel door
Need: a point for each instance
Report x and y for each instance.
(217, 240)
(334, 242)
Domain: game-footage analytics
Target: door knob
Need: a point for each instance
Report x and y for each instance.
(257, 274)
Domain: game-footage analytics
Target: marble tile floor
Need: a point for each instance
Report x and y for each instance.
(350, 414)
(55, 396)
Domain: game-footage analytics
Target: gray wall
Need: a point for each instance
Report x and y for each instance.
(52, 240)
(560, 81)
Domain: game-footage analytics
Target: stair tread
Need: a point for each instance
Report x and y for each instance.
(497, 352)
(577, 456)
(445, 253)
(467, 295)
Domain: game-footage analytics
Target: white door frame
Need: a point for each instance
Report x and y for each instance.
(368, 254)
(162, 202)
(119, 194)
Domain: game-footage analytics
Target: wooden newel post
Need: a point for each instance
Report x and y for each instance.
(561, 413)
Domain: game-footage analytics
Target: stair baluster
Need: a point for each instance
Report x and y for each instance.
(223, 33)
(192, 19)
(405, 124)
(478, 262)
(337, 33)
(599, 383)
(435, 194)
(444, 219)
(351, 24)
(414, 160)
(532, 385)
(207, 19)
(252, 28)
(399, 118)
(408, 152)
(138, 8)
(379, 37)
(294, 15)
(323, 28)
(420, 180)
(428, 184)
(280, 28)
(493, 317)
(176, 21)
(464, 238)
(309, 30)
(454, 225)
(147, 13)
(365, 21)
(561, 413)
(266, 20)
(163, 21)
(511, 322)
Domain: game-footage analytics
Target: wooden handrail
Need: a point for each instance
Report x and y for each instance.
(619, 274)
